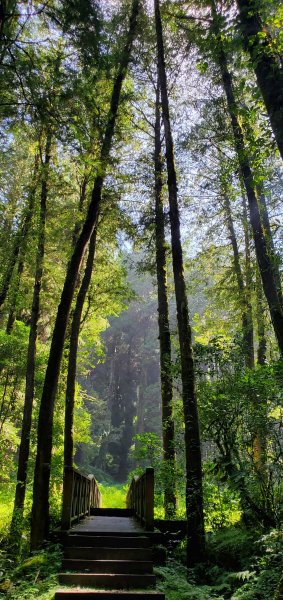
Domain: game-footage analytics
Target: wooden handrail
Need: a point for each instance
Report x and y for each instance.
(140, 497)
(81, 493)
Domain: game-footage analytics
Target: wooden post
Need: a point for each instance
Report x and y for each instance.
(91, 499)
(67, 498)
(149, 499)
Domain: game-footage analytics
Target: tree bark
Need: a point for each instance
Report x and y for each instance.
(246, 310)
(266, 64)
(274, 258)
(40, 510)
(21, 235)
(262, 344)
(194, 495)
(168, 429)
(261, 246)
(248, 281)
(72, 363)
(14, 304)
(31, 357)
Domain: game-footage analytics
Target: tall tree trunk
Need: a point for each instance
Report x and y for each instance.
(14, 303)
(31, 356)
(141, 401)
(248, 279)
(245, 305)
(40, 510)
(262, 433)
(83, 193)
(168, 429)
(262, 344)
(266, 65)
(72, 365)
(269, 238)
(261, 246)
(194, 495)
(21, 235)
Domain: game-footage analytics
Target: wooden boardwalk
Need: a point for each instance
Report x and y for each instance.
(108, 556)
(115, 525)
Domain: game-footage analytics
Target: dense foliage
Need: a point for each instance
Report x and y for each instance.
(140, 276)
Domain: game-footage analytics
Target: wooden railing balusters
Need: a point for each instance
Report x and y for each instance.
(140, 498)
(81, 493)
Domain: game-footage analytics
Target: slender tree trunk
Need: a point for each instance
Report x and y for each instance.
(83, 191)
(266, 64)
(248, 280)
(245, 305)
(261, 437)
(40, 510)
(9, 408)
(31, 356)
(3, 399)
(14, 303)
(261, 246)
(164, 329)
(141, 402)
(262, 344)
(72, 363)
(194, 495)
(275, 259)
(21, 235)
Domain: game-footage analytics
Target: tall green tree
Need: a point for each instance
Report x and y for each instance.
(265, 61)
(194, 495)
(40, 511)
(168, 427)
(24, 449)
(263, 257)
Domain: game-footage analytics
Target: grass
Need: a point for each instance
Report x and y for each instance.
(7, 494)
(113, 496)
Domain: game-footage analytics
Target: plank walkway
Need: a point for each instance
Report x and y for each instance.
(108, 556)
(115, 525)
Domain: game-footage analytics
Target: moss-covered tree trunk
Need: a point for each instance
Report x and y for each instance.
(261, 333)
(194, 494)
(246, 310)
(31, 354)
(274, 257)
(261, 245)
(266, 64)
(21, 235)
(40, 509)
(164, 328)
(72, 369)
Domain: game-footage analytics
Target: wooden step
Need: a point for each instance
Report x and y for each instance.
(102, 553)
(112, 512)
(79, 594)
(108, 541)
(107, 566)
(115, 533)
(106, 580)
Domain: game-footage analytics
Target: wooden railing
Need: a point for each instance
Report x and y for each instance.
(140, 498)
(81, 493)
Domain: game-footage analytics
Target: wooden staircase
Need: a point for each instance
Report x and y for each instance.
(108, 556)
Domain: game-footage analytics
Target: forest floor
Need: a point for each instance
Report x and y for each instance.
(241, 564)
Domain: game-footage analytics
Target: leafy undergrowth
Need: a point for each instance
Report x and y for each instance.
(240, 566)
(35, 577)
